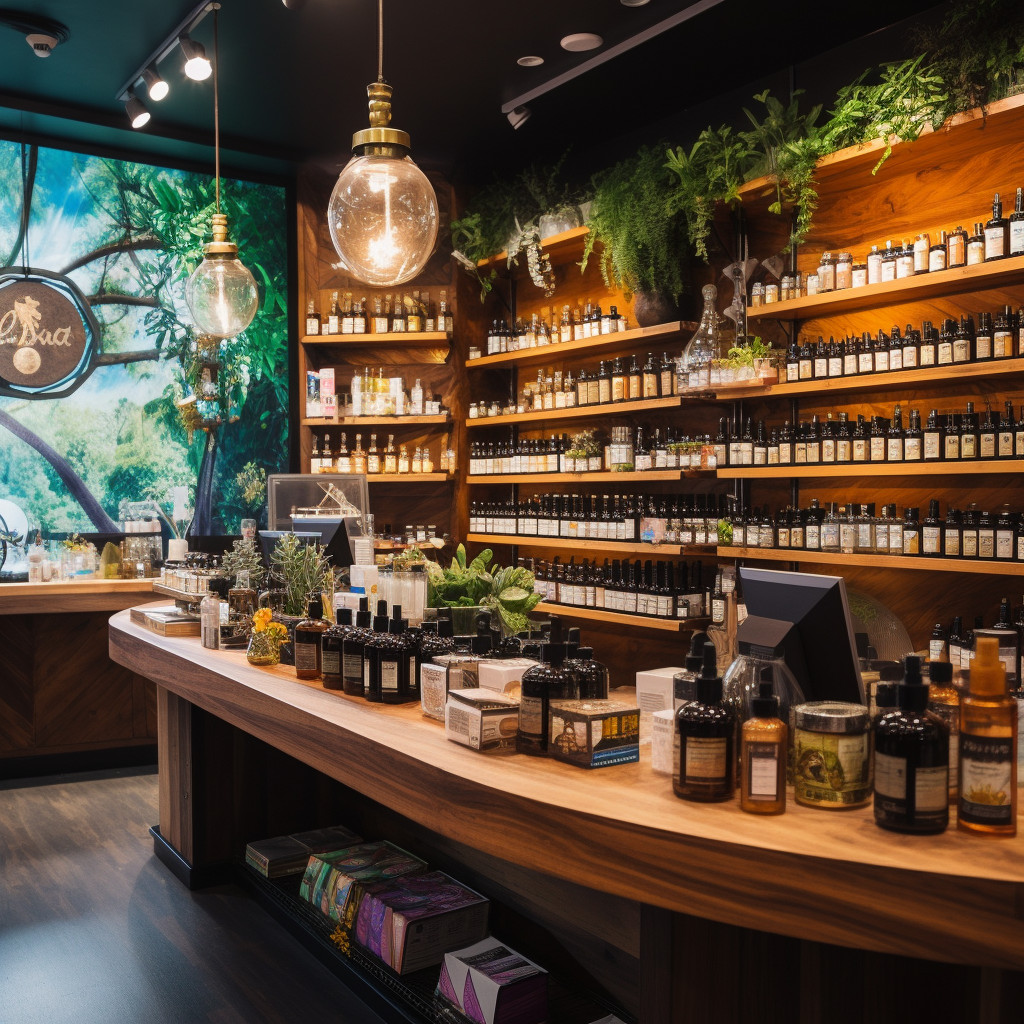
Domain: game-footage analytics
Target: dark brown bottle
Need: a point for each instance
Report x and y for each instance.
(542, 684)
(997, 233)
(331, 645)
(308, 634)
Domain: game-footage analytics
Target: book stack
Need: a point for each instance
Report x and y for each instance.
(288, 855)
(167, 620)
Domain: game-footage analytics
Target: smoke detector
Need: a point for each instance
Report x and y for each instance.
(42, 43)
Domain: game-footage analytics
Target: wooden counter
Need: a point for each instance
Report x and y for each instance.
(63, 703)
(833, 877)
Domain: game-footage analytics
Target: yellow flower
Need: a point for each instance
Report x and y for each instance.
(261, 619)
(278, 631)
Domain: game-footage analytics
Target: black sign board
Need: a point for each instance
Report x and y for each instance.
(48, 334)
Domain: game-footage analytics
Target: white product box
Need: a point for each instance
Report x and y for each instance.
(481, 719)
(663, 729)
(653, 693)
(505, 676)
(327, 381)
(365, 576)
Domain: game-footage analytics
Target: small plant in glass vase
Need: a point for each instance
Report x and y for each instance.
(584, 455)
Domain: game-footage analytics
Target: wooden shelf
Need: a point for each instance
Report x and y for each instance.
(887, 381)
(580, 412)
(984, 567)
(408, 478)
(565, 247)
(650, 475)
(362, 340)
(998, 274)
(860, 469)
(371, 421)
(621, 618)
(574, 544)
(602, 343)
(851, 167)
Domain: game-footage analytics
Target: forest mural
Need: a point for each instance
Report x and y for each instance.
(149, 418)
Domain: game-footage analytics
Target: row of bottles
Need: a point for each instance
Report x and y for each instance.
(655, 589)
(670, 519)
(613, 382)
(856, 529)
(956, 643)
(571, 325)
(954, 344)
(387, 314)
(376, 395)
(624, 451)
(946, 437)
(373, 460)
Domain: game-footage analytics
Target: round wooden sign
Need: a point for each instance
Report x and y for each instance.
(47, 333)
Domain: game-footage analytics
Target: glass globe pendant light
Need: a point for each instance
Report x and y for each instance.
(383, 211)
(220, 293)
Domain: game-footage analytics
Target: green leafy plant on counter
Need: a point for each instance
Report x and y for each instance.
(642, 232)
(745, 354)
(304, 568)
(508, 591)
(243, 557)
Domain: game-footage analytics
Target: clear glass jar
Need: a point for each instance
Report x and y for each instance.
(827, 273)
(706, 343)
(844, 270)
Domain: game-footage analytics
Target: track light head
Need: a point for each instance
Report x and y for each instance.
(42, 43)
(136, 110)
(155, 85)
(518, 117)
(197, 64)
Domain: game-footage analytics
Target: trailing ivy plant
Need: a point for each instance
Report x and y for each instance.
(644, 237)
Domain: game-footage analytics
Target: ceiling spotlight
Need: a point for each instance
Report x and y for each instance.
(197, 65)
(634, 3)
(137, 113)
(518, 117)
(579, 42)
(42, 43)
(529, 62)
(156, 86)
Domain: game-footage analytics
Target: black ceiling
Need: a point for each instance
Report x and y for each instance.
(293, 79)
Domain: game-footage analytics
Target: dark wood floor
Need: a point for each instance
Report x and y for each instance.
(94, 929)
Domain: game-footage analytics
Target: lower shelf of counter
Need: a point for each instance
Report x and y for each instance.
(397, 998)
(961, 565)
(569, 611)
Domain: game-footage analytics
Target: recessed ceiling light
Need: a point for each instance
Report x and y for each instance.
(634, 3)
(529, 62)
(580, 41)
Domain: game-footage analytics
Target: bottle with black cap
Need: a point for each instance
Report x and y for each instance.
(591, 676)
(912, 760)
(352, 650)
(397, 661)
(331, 644)
(763, 752)
(376, 641)
(706, 769)
(542, 684)
(308, 634)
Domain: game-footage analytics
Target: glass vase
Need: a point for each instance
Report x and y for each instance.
(263, 649)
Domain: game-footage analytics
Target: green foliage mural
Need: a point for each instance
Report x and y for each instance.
(129, 234)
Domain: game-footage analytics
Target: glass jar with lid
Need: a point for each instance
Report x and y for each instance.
(844, 270)
(827, 273)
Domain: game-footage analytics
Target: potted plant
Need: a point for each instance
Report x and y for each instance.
(584, 455)
(304, 569)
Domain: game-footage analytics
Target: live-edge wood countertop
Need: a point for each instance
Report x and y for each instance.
(830, 876)
(91, 595)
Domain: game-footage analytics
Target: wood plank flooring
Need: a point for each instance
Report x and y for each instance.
(94, 929)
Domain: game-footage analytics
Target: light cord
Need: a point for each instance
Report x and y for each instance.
(216, 107)
(380, 40)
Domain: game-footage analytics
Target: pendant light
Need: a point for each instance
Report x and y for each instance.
(383, 212)
(220, 293)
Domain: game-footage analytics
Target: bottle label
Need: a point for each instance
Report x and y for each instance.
(718, 610)
(987, 446)
(995, 243)
(952, 450)
(986, 775)
(389, 676)
(986, 543)
(331, 663)
(1004, 544)
(912, 449)
(763, 772)
(961, 350)
(911, 542)
(982, 347)
(969, 543)
(305, 655)
(1016, 237)
(950, 715)
(969, 446)
(706, 759)
(951, 544)
(531, 716)
(930, 792)
(931, 540)
(352, 668)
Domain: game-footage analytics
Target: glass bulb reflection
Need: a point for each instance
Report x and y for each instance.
(383, 219)
(222, 297)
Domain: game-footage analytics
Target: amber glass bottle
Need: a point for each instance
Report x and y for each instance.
(308, 634)
(763, 754)
(987, 801)
(944, 701)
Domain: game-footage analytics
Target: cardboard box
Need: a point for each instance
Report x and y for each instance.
(286, 855)
(313, 404)
(332, 882)
(444, 673)
(482, 719)
(594, 733)
(504, 675)
(412, 921)
(492, 984)
(653, 693)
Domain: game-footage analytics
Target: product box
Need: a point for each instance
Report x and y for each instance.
(492, 984)
(653, 693)
(663, 740)
(367, 577)
(446, 672)
(327, 381)
(412, 921)
(286, 855)
(505, 676)
(482, 719)
(313, 405)
(594, 733)
(333, 881)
